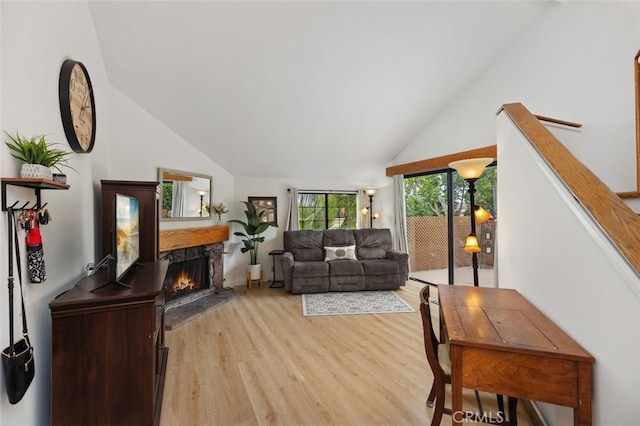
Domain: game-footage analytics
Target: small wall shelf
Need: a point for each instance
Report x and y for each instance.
(36, 184)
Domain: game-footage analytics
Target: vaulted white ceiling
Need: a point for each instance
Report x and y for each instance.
(299, 89)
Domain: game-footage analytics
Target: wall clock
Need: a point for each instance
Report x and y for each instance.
(77, 106)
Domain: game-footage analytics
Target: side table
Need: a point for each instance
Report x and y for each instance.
(277, 270)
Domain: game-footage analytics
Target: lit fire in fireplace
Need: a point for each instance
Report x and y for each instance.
(185, 278)
(183, 281)
(191, 272)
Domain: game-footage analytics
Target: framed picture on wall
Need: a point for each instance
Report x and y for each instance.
(269, 204)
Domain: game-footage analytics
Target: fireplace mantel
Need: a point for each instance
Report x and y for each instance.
(192, 237)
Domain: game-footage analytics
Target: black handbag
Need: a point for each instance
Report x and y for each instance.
(17, 359)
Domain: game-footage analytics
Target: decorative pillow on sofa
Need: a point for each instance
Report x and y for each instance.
(340, 253)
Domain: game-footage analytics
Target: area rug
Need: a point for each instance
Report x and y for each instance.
(350, 303)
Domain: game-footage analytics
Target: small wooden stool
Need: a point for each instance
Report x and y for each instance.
(250, 281)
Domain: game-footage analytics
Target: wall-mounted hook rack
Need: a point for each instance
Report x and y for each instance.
(36, 184)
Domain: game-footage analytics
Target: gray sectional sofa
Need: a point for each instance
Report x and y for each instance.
(342, 260)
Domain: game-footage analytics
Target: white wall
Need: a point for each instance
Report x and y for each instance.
(564, 265)
(574, 63)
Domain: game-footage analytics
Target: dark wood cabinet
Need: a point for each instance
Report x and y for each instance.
(145, 192)
(108, 358)
(108, 355)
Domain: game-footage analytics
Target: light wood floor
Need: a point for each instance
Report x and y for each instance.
(257, 361)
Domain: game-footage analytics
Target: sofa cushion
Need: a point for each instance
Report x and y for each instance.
(345, 267)
(310, 269)
(372, 243)
(346, 282)
(340, 253)
(381, 282)
(338, 238)
(301, 285)
(305, 245)
(345, 275)
(380, 267)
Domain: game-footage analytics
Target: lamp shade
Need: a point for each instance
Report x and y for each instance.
(471, 245)
(472, 168)
(481, 214)
(371, 191)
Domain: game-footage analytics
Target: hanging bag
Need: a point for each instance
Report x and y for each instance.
(17, 359)
(35, 252)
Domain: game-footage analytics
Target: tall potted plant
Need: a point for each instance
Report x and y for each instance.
(38, 154)
(253, 228)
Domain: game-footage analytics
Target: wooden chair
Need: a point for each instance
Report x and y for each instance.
(440, 363)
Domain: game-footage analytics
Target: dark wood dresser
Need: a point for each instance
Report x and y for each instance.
(108, 355)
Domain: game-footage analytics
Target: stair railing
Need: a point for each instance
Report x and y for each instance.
(619, 223)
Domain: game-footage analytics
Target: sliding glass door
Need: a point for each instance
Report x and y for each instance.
(438, 222)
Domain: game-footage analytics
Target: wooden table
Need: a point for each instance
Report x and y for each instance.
(500, 343)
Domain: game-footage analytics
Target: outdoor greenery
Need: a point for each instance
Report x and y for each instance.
(167, 195)
(426, 195)
(327, 211)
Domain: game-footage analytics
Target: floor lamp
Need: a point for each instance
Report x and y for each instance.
(470, 171)
(370, 192)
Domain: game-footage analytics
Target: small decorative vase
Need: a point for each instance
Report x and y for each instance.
(35, 171)
(218, 219)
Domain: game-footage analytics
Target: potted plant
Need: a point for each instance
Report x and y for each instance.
(39, 155)
(253, 227)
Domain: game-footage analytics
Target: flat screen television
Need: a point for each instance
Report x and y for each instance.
(125, 236)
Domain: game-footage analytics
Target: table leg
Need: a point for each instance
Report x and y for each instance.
(457, 415)
(582, 413)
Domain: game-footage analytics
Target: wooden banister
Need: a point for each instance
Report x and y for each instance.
(617, 220)
(628, 195)
(558, 121)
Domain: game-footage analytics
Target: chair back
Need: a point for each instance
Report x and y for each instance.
(430, 340)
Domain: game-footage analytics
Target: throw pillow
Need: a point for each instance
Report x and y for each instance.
(340, 253)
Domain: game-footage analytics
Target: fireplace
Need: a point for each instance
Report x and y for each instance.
(187, 276)
(194, 272)
(197, 292)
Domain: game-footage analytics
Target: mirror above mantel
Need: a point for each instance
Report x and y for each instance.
(184, 195)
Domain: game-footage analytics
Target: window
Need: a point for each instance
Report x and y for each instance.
(324, 210)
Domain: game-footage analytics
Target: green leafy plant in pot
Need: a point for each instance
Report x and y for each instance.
(253, 228)
(39, 155)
